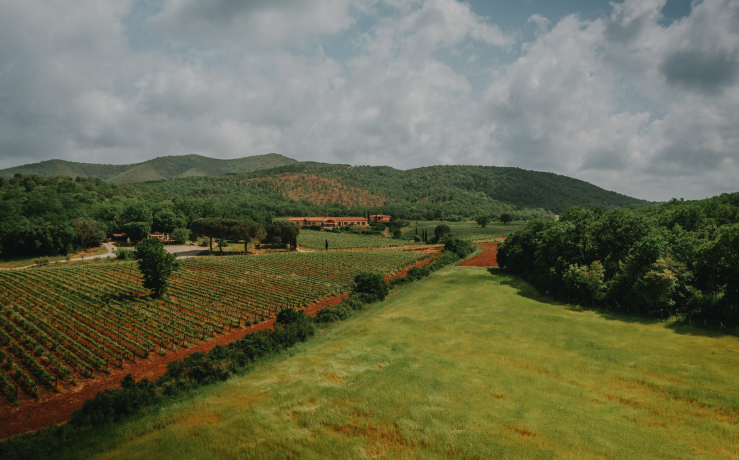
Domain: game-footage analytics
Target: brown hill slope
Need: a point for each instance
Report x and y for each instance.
(319, 190)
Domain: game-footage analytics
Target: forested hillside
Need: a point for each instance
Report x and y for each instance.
(454, 187)
(162, 168)
(53, 215)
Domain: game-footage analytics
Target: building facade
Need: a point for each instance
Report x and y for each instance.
(380, 218)
(329, 222)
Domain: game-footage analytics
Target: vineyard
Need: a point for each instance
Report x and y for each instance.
(317, 240)
(59, 324)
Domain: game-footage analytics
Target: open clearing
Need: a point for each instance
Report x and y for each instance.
(465, 230)
(468, 363)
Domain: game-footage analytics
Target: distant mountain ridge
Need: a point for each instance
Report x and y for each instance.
(161, 168)
(448, 190)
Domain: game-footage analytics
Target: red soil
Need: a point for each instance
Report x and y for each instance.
(51, 409)
(404, 271)
(486, 259)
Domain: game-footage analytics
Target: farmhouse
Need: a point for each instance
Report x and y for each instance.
(379, 218)
(161, 236)
(329, 222)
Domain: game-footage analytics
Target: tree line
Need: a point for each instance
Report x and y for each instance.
(44, 216)
(679, 259)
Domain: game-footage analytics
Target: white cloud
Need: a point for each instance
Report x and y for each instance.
(616, 101)
(252, 24)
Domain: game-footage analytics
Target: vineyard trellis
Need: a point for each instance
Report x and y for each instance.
(58, 323)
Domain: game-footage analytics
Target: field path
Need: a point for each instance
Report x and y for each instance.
(488, 258)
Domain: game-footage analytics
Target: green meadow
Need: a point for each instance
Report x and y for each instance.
(464, 230)
(467, 363)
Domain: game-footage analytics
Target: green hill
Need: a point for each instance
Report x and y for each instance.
(452, 188)
(162, 168)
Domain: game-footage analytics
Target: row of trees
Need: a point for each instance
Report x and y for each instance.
(484, 220)
(220, 229)
(681, 258)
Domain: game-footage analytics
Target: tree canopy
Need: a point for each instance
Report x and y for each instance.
(155, 264)
(681, 258)
(440, 231)
(286, 231)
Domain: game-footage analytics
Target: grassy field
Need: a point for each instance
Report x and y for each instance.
(465, 230)
(15, 262)
(465, 364)
(317, 240)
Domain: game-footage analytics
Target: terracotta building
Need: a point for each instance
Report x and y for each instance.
(379, 218)
(329, 222)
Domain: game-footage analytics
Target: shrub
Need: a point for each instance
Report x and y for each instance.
(461, 248)
(124, 254)
(181, 235)
(42, 261)
(372, 284)
(288, 315)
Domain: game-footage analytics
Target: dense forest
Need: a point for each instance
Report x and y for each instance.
(54, 215)
(681, 258)
(47, 216)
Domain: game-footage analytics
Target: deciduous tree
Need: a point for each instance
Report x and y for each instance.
(89, 232)
(440, 231)
(155, 264)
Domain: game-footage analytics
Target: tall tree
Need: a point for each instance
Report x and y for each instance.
(166, 221)
(89, 232)
(137, 231)
(440, 231)
(216, 227)
(286, 231)
(136, 211)
(155, 264)
(249, 231)
(482, 221)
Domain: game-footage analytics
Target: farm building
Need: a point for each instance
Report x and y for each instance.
(379, 218)
(161, 236)
(329, 222)
(119, 237)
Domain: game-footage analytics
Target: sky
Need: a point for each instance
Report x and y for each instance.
(636, 96)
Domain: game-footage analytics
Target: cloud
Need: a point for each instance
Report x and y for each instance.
(626, 102)
(252, 24)
(623, 100)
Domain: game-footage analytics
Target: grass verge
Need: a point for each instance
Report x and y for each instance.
(463, 364)
(15, 262)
